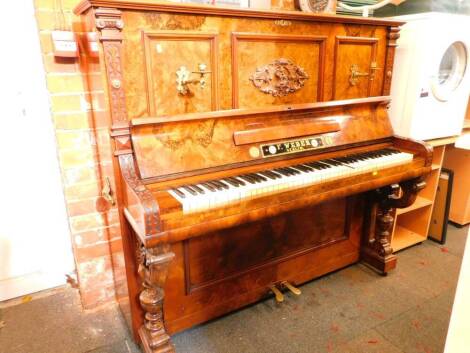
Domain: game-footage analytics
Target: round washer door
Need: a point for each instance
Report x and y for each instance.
(451, 72)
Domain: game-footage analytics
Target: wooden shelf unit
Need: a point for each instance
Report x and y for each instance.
(419, 203)
(403, 237)
(412, 223)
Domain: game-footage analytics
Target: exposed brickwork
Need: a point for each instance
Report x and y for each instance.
(84, 152)
(81, 124)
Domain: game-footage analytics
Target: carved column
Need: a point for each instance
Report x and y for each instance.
(153, 262)
(392, 36)
(153, 269)
(376, 249)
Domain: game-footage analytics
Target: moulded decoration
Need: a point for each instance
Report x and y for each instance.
(279, 78)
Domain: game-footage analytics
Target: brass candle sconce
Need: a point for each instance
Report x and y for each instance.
(183, 78)
(356, 74)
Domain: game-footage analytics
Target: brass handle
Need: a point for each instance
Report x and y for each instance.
(183, 78)
(107, 192)
(356, 74)
(277, 294)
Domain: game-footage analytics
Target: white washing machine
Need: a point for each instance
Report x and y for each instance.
(431, 78)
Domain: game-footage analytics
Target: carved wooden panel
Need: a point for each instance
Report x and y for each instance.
(276, 69)
(359, 54)
(165, 53)
(310, 248)
(229, 252)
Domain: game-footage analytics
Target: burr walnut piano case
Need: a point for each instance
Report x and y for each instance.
(208, 96)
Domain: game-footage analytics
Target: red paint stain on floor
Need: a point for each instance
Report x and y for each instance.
(334, 328)
(444, 249)
(373, 341)
(416, 324)
(377, 315)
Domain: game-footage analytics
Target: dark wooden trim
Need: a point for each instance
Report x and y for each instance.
(268, 110)
(211, 10)
(393, 35)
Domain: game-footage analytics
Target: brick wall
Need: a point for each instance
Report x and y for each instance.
(81, 127)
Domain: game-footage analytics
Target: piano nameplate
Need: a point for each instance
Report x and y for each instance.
(294, 146)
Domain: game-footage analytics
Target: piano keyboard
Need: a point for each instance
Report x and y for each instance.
(217, 193)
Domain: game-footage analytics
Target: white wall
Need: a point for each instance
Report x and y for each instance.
(35, 246)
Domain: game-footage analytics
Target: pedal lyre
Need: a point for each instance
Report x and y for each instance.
(277, 294)
(290, 287)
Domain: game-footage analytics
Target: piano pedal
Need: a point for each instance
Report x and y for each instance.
(290, 287)
(277, 293)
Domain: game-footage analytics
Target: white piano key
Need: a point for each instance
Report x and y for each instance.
(334, 169)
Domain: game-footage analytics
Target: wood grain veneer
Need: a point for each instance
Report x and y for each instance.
(185, 269)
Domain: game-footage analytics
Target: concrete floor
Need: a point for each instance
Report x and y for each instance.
(349, 311)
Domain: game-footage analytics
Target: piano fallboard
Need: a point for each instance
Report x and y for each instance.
(175, 146)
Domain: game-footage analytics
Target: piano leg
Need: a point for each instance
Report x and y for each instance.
(376, 250)
(153, 269)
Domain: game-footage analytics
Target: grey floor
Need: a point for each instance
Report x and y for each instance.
(352, 310)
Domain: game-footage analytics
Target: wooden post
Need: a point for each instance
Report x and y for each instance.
(376, 249)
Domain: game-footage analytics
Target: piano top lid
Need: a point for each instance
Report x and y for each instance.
(240, 113)
(198, 9)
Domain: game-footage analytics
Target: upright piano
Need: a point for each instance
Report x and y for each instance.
(253, 153)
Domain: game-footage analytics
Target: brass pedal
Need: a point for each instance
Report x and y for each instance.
(290, 287)
(277, 293)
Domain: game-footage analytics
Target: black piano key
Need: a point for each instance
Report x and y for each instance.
(332, 162)
(302, 168)
(231, 182)
(225, 186)
(198, 189)
(247, 178)
(190, 190)
(276, 174)
(255, 177)
(288, 171)
(266, 174)
(240, 181)
(324, 165)
(282, 172)
(179, 193)
(209, 186)
(307, 167)
(216, 185)
(313, 165)
(261, 177)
